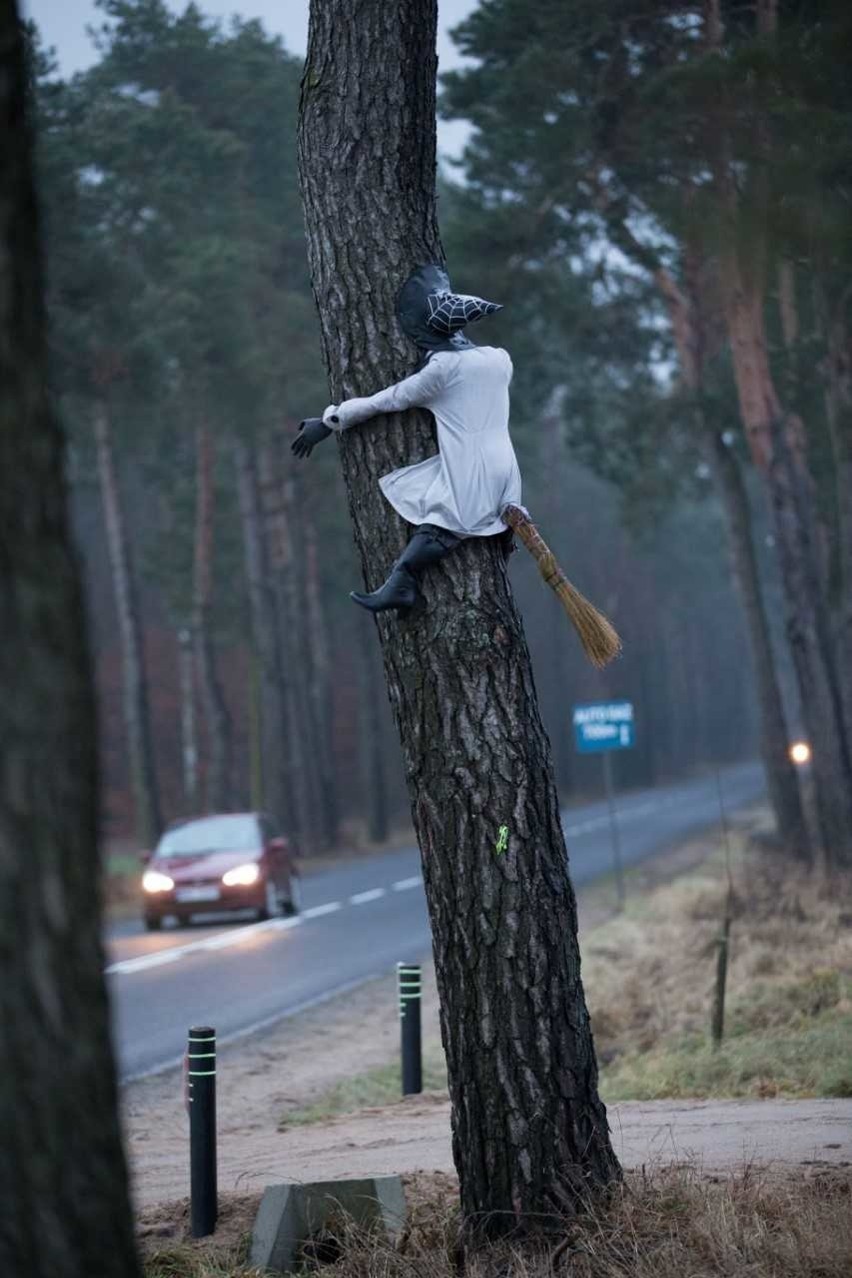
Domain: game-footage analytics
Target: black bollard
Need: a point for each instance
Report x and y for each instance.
(201, 1081)
(408, 976)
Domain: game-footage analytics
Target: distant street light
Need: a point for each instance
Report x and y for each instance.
(800, 753)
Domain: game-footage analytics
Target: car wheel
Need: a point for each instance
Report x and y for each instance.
(153, 922)
(294, 902)
(271, 905)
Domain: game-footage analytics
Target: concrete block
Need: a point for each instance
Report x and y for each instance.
(290, 1215)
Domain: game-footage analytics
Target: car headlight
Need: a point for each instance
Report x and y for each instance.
(154, 881)
(242, 876)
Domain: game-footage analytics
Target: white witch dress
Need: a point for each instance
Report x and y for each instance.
(475, 474)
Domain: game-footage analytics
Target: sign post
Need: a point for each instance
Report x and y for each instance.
(599, 728)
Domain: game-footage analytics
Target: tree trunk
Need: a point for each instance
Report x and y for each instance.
(692, 327)
(529, 1130)
(189, 736)
(63, 1181)
(319, 680)
(276, 510)
(781, 778)
(137, 720)
(294, 601)
(777, 442)
(219, 795)
(371, 748)
(277, 779)
(839, 412)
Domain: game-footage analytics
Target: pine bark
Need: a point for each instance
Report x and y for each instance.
(782, 782)
(277, 785)
(778, 446)
(137, 717)
(372, 753)
(778, 442)
(316, 648)
(692, 327)
(317, 782)
(302, 828)
(219, 794)
(839, 412)
(188, 733)
(63, 1181)
(529, 1129)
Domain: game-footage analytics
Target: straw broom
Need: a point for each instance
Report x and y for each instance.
(597, 634)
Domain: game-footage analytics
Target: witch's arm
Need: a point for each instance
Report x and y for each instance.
(416, 391)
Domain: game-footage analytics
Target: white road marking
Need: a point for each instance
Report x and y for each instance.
(221, 941)
(402, 885)
(316, 910)
(146, 960)
(236, 935)
(225, 1039)
(361, 898)
(625, 812)
(282, 925)
(586, 827)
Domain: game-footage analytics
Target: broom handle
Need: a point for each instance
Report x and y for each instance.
(597, 634)
(521, 524)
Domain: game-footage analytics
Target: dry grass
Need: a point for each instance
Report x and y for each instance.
(169, 1252)
(649, 975)
(669, 1224)
(379, 1086)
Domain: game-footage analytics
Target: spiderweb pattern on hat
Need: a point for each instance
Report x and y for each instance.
(448, 312)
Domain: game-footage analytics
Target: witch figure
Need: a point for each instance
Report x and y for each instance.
(463, 490)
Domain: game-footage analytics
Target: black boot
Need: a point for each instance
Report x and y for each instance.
(427, 546)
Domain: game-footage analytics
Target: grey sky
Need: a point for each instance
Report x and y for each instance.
(63, 24)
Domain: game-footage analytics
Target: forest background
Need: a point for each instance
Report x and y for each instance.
(659, 202)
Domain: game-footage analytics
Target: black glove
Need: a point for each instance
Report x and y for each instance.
(311, 432)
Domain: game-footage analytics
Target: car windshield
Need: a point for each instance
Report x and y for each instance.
(213, 834)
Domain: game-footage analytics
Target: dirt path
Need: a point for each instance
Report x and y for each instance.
(716, 1135)
(414, 1135)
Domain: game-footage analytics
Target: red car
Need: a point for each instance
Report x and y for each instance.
(227, 861)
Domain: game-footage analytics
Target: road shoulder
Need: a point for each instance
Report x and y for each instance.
(291, 1065)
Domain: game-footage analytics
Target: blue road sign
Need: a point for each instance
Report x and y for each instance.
(603, 725)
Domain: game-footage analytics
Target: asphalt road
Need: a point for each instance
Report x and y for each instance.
(357, 921)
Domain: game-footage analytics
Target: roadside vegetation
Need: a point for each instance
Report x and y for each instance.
(375, 1087)
(663, 1224)
(788, 1026)
(649, 974)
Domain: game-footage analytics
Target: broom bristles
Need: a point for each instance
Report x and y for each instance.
(596, 632)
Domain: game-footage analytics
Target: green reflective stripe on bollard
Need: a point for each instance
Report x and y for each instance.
(410, 990)
(202, 1073)
(201, 1056)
